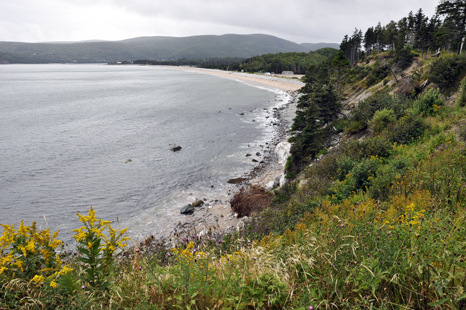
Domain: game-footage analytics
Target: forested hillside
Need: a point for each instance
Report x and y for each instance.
(151, 48)
(382, 54)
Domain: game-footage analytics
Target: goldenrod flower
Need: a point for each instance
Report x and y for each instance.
(31, 246)
(65, 270)
(37, 279)
(22, 229)
(22, 249)
(19, 263)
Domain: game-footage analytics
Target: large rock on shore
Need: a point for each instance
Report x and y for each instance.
(279, 181)
(283, 152)
(188, 209)
(198, 203)
(237, 180)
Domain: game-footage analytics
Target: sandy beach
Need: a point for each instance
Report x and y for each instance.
(216, 211)
(285, 83)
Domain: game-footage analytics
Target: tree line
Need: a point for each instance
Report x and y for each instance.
(208, 63)
(443, 31)
(299, 63)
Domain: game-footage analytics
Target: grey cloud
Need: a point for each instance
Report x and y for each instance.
(299, 18)
(295, 20)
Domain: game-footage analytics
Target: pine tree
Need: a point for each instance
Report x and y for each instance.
(369, 40)
(455, 16)
(328, 103)
(378, 31)
(339, 63)
(311, 138)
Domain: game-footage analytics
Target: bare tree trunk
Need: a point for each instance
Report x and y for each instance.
(396, 79)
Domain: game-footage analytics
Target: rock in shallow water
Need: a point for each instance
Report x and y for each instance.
(175, 148)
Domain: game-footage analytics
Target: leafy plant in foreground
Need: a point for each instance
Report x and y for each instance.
(96, 249)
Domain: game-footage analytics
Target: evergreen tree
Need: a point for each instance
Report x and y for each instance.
(304, 101)
(390, 35)
(339, 63)
(311, 136)
(378, 31)
(455, 16)
(370, 40)
(327, 100)
(318, 105)
(403, 32)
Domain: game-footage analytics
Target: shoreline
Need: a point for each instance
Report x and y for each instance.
(215, 212)
(272, 82)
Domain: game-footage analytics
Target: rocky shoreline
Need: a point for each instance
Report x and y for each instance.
(204, 215)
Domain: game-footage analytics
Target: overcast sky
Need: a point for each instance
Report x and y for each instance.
(300, 21)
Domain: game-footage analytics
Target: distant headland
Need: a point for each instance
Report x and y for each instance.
(158, 48)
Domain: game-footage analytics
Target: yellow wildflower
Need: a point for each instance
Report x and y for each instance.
(37, 279)
(19, 263)
(66, 269)
(23, 230)
(81, 233)
(53, 284)
(22, 249)
(31, 246)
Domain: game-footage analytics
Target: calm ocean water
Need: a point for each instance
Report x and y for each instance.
(68, 131)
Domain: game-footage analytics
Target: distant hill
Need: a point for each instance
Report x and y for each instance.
(153, 48)
(318, 46)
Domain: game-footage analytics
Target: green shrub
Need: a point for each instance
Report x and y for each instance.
(378, 73)
(281, 217)
(447, 71)
(363, 173)
(345, 165)
(400, 164)
(377, 146)
(436, 141)
(462, 98)
(386, 176)
(462, 133)
(367, 108)
(381, 119)
(407, 129)
(404, 57)
(429, 103)
(355, 126)
(362, 72)
(289, 168)
(435, 130)
(359, 177)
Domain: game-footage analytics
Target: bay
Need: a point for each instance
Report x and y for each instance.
(72, 136)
